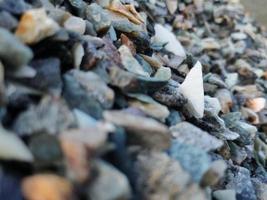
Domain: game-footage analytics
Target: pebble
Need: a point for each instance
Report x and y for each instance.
(18, 54)
(47, 186)
(187, 133)
(163, 35)
(75, 24)
(35, 26)
(107, 176)
(141, 130)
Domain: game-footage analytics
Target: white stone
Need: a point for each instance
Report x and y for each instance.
(192, 89)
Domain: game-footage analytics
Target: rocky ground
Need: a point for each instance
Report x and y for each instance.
(132, 99)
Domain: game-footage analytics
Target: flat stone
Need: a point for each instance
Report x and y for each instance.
(163, 35)
(130, 63)
(98, 16)
(187, 133)
(95, 86)
(240, 181)
(149, 106)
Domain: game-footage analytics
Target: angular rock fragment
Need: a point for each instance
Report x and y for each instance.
(187, 133)
(141, 130)
(193, 159)
(163, 35)
(50, 116)
(160, 177)
(75, 24)
(18, 55)
(110, 180)
(35, 25)
(192, 89)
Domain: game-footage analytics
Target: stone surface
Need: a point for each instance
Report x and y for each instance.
(35, 25)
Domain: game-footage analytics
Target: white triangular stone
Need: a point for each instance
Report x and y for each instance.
(192, 89)
(163, 35)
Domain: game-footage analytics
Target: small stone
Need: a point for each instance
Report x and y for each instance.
(75, 24)
(193, 192)
(98, 16)
(149, 106)
(17, 55)
(212, 104)
(240, 181)
(95, 86)
(225, 98)
(193, 159)
(49, 153)
(187, 133)
(47, 186)
(16, 7)
(47, 70)
(172, 5)
(256, 104)
(214, 173)
(35, 26)
(160, 177)
(163, 35)
(13, 148)
(209, 44)
(192, 89)
(141, 130)
(50, 116)
(130, 63)
(224, 195)
(83, 120)
(78, 53)
(74, 91)
(78, 146)
(170, 95)
(113, 182)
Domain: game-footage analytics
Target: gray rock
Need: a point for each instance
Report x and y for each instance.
(240, 181)
(194, 160)
(141, 130)
(96, 87)
(7, 21)
(160, 177)
(110, 184)
(74, 92)
(50, 116)
(187, 133)
(224, 195)
(17, 55)
(98, 16)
